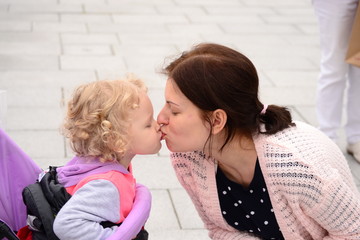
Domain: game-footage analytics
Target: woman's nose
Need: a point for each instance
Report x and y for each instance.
(161, 118)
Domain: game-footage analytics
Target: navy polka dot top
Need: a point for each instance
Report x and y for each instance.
(248, 209)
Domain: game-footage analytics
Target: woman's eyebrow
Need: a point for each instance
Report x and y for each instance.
(170, 102)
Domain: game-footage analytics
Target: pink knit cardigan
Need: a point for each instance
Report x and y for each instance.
(308, 179)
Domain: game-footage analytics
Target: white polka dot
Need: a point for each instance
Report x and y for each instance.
(262, 201)
(224, 192)
(272, 210)
(251, 230)
(264, 189)
(266, 222)
(236, 204)
(236, 223)
(259, 229)
(252, 212)
(240, 201)
(247, 216)
(251, 191)
(229, 188)
(224, 212)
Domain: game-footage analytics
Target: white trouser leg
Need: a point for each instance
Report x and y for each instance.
(335, 21)
(353, 106)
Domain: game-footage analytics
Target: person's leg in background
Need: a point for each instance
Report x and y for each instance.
(353, 113)
(335, 19)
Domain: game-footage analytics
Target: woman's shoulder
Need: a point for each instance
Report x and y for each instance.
(299, 131)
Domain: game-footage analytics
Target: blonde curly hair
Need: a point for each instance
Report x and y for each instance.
(98, 117)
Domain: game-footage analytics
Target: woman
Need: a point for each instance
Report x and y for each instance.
(251, 172)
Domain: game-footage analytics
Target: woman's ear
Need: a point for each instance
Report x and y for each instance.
(218, 120)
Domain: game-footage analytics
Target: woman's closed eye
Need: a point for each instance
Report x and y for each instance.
(174, 113)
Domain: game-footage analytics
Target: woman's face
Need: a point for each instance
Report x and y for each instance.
(181, 123)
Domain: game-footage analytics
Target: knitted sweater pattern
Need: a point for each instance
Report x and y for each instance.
(308, 180)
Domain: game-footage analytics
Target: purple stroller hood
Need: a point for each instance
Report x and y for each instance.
(17, 170)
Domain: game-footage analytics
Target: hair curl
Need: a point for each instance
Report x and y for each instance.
(98, 117)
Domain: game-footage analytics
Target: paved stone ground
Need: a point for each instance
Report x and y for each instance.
(47, 47)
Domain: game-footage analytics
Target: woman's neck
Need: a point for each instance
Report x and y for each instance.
(238, 160)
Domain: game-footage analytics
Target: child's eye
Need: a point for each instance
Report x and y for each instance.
(174, 113)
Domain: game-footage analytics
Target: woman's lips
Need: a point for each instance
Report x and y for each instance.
(162, 136)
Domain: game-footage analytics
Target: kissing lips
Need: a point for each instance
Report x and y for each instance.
(162, 136)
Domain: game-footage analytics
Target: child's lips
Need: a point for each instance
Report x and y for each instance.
(162, 136)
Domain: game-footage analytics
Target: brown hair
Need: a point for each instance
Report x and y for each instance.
(214, 77)
(98, 116)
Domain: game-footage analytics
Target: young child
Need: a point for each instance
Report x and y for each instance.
(108, 123)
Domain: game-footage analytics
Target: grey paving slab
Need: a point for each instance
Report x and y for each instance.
(32, 2)
(207, 2)
(82, 2)
(238, 9)
(81, 49)
(48, 47)
(162, 38)
(308, 114)
(3, 108)
(27, 118)
(39, 143)
(162, 214)
(86, 18)
(34, 97)
(125, 28)
(277, 3)
(288, 95)
(92, 62)
(38, 48)
(45, 162)
(29, 37)
(282, 63)
(44, 79)
(225, 19)
(58, 27)
(260, 28)
(28, 62)
(171, 8)
(195, 28)
(17, 26)
(155, 172)
(3, 8)
(149, 19)
(119, 8)
(89, 38)
(45, 7)
(179, 234)
(185, 210)
(292, 78)
(9, 16)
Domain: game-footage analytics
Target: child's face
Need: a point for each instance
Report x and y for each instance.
(144, 131)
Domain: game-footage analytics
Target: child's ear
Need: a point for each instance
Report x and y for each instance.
(218, 120)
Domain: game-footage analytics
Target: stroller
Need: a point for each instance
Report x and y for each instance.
(18, 170)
